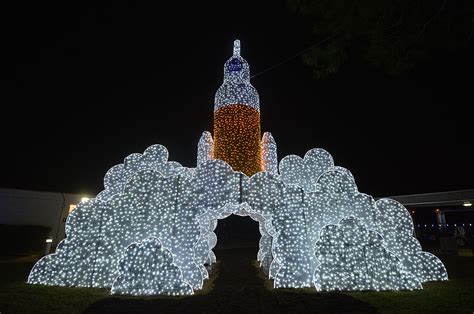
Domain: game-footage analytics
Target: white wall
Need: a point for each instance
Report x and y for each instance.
(24, 207)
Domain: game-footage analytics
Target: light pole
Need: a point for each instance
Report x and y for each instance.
(48, 246)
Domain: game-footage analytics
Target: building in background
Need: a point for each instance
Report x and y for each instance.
(37, 208)
(441, 215)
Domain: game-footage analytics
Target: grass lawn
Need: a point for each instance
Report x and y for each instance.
(236, 285)
(18, 297)
(453, 296)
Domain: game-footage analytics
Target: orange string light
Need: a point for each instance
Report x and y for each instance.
(237, 138)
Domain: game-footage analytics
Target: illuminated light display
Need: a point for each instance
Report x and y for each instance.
(237, 138)
(181, 210)
(237, 118)
(394, 223)
(151, 230)
(353, 257)
(312, 193)
(205, 148)
(237, 123)
(236, 88)
(304, 172)
(98, 232)
(155, 158)
(148, 269)
(269, 153)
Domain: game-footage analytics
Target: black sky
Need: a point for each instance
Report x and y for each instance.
(84, 85)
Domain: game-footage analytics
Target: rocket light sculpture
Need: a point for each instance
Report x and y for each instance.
(151, 230)
(237, 133)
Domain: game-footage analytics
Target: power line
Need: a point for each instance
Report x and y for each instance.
(294, 56)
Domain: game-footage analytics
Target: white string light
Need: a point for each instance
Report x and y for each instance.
(352, 257)
(151, 230)
(205, 148)
(182, 209)
(236, 88)
(148, 269)
(269, 153)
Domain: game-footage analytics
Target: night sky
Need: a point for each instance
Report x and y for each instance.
(85, 85)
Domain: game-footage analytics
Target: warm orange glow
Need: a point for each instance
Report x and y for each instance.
(71, 207)
(237, 138)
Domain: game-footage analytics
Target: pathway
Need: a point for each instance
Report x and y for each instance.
(238, 289)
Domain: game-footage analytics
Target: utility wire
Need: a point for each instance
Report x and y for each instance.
(294, 56)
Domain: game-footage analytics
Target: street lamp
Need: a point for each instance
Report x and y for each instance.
(48, 246)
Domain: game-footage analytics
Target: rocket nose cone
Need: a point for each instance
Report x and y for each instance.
(236, 47)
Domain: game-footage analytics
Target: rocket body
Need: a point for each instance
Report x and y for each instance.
(237, 137)
(237, 133)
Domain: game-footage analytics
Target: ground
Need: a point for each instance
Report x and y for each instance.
(237, 285)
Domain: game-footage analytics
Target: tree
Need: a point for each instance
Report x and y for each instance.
(392, 34)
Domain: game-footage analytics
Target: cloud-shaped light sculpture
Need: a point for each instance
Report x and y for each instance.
(317, 229)
(353, 257)
(308, 213)
(148, 269)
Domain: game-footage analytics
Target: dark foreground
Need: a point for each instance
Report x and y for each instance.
(237, 285)
(238, 289)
